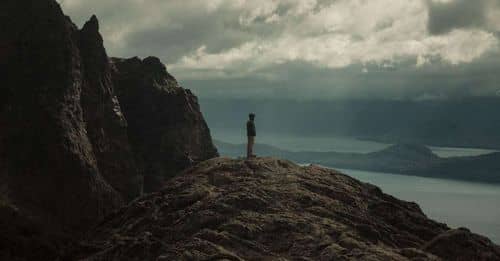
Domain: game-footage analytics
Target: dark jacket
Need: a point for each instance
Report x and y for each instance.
(251, 129)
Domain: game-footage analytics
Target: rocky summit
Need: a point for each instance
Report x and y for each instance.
(272, 209)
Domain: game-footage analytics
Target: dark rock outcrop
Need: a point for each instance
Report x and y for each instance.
(48, 164)
(65, 153)
(164, 119)
(271, 209)
(66, 160)
(106, 125)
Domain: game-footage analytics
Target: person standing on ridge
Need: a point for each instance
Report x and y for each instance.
(251, 133)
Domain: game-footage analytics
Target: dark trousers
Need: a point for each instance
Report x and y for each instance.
(251, 141)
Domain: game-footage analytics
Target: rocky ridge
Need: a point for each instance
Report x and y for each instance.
(272, 209)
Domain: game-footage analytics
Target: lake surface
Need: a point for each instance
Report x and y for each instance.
(456, 203)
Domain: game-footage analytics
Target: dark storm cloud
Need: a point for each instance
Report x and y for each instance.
(309, 49)
(175, 42)
(169, 29)
(216, 31)
(403, 81)
(446, 16)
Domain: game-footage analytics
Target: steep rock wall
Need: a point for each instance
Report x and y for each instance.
(51, 162)
(165, 121)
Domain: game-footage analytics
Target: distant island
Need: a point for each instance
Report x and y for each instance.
(404, 159)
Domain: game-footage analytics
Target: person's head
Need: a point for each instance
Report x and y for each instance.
(251, 116)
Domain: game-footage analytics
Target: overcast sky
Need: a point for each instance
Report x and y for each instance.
(310, 49)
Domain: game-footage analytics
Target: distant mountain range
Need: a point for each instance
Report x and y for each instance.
(405, 159)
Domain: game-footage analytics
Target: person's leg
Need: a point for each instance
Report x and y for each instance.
(249, 149)
(252, 142)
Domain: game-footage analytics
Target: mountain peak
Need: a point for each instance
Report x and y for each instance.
(92, 24)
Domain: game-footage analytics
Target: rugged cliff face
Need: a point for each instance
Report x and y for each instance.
(49, 165)
(271, 209)
(164, 119)
(106, 125)
(66, 159)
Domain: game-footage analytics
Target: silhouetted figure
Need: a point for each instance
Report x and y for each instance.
(251, 133)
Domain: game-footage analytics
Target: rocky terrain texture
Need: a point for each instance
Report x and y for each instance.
(164, 119)
(66, 158)
(272, 209)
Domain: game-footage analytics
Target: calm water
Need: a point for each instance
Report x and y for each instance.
(456, 203)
